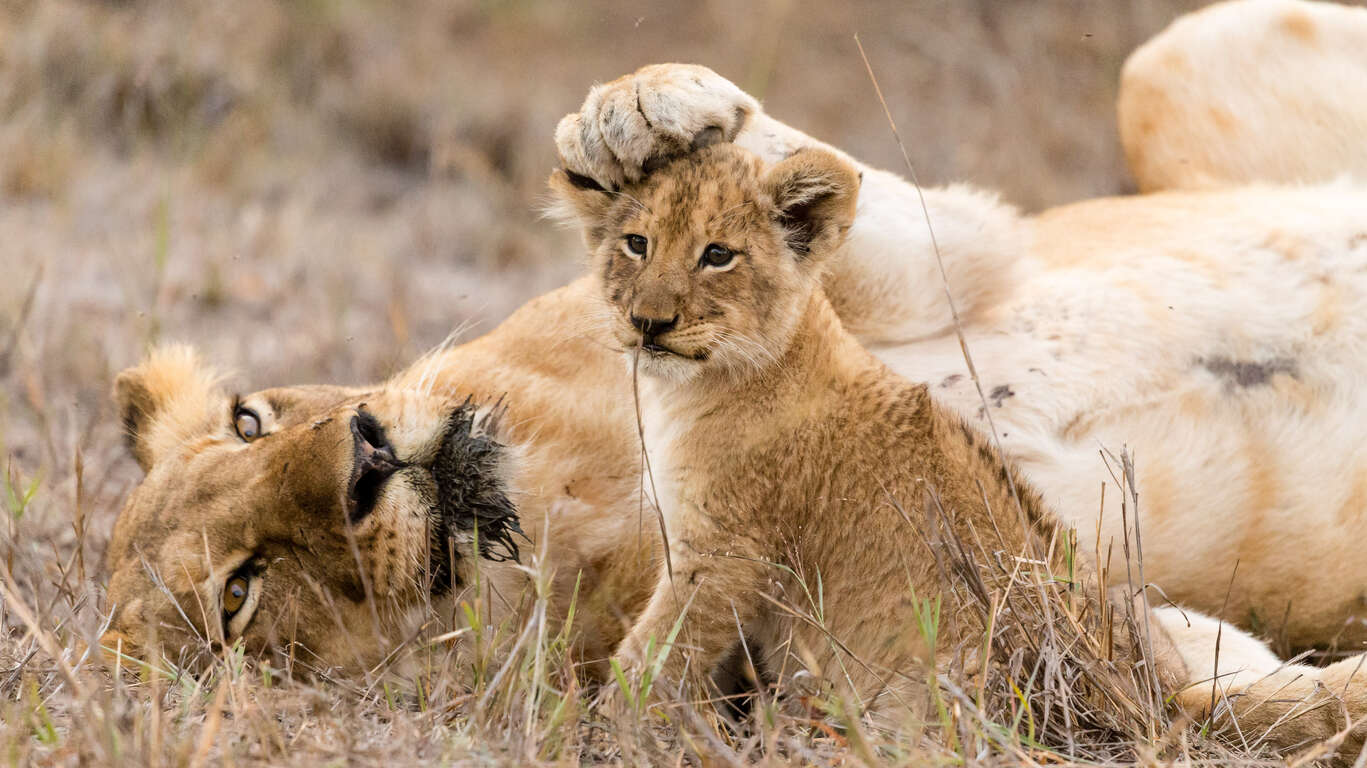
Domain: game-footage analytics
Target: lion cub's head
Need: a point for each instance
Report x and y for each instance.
(304, 520)
(710, 260)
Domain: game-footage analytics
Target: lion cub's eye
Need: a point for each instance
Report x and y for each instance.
(235, 594)
(636, 244)
(246, 423)
(717, 256)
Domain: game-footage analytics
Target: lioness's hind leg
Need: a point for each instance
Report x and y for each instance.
(1248, 91)
(1260, 700)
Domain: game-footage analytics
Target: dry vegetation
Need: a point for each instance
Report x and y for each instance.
(319, 190)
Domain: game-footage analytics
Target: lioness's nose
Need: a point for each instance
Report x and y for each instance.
(651, 327)
(371, 443)
(375, 462)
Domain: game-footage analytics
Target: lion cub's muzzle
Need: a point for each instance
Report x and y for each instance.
(651, 330)
(374, 463)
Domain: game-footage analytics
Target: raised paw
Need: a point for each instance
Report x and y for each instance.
(629, 126)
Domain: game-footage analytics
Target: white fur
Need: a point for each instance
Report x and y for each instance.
(1216, 653)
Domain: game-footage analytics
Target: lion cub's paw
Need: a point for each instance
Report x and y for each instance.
(628, 126)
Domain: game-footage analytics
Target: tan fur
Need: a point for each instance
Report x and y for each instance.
(1213, 333)
(276, 501)
(171, 396)
(1252, 691)
(799, 458)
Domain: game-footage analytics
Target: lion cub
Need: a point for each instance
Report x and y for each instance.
(793, 469)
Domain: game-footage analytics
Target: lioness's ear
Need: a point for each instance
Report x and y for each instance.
(814, 194)
(167, 398)
(579, 200)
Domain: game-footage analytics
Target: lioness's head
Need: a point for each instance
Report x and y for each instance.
(709, 261)
(304, 519)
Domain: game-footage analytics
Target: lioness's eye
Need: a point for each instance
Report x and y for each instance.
(241, 593)
(246, 423)
(636, 244)
(234, 595)
(717, 256)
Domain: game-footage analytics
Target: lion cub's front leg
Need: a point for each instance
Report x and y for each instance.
(719, 595)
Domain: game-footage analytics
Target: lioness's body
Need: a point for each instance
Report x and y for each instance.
(578, 472)
(1215, 334)
(1093, 357)
(1220, 336)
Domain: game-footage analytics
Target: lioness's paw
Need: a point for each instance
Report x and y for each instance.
(629, 126)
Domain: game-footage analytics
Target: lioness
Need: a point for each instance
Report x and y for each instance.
(1216, 331)
(791, 461)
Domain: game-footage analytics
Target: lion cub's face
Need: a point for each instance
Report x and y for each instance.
(303, 520)
(708, 263)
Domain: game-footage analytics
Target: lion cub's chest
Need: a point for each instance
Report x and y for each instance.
(779, 481)
(701, 472)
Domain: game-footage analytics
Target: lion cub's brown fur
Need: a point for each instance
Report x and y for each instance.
(800, 474)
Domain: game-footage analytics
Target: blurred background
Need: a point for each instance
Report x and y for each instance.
(320, 190)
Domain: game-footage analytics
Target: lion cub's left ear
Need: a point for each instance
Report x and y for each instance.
(814, 194)
(580, 200)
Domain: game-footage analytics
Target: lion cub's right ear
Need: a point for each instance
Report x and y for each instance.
(580, 200)
(814, 194)
(167, 398)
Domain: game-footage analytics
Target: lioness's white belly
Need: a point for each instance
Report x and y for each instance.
(1228, 352)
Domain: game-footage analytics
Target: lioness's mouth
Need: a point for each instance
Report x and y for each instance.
(472, 510)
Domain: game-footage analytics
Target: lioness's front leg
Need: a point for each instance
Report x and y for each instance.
(635, 122)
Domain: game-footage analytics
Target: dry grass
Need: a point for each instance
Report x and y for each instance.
(317, 191)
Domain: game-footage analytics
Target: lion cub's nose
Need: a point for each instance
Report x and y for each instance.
(651, 327)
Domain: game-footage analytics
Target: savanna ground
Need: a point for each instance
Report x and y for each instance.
(321, 190)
